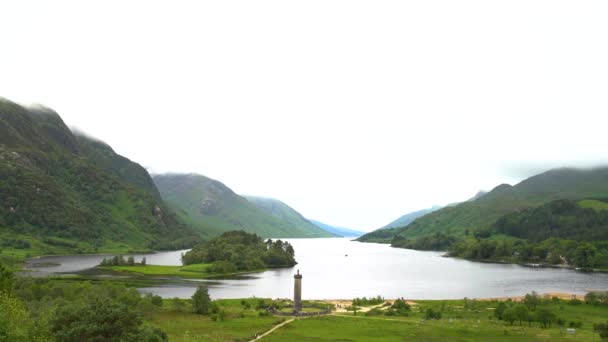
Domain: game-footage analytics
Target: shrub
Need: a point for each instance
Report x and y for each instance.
(575, 324)
(101, 319)
(432, 314)
(178, 304)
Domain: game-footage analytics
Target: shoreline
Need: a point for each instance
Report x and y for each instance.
(560, 295)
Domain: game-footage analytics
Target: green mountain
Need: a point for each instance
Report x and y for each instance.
(338, 231)
(65, 192)
(386, 233)
(213, 208)
(104, 156)
(561, 232)
(585, 220)
(297, 223)
(479, 214)
(409, 218)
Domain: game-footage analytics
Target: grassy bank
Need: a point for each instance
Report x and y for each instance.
(15, 248)
(197, 271)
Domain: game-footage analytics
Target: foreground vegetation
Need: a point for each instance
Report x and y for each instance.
(58, 310)
(543, 319)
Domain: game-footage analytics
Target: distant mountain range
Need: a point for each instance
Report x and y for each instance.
(213, 208)
(385, 234)
(62, 191)
(338, 231)
(410, 217)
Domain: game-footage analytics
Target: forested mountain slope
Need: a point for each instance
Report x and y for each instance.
(57, 191)
(480, 214)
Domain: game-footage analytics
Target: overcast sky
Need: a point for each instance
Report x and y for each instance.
(352, 112)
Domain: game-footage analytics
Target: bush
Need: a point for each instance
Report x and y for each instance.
(432, 314)
(260, 305)
(575, 324)
(374, 312)
(7, 279)
(156, 300)
(178, 304)
(101, 319)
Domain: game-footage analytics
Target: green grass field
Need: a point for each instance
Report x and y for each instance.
(473, 321)
(240, 323)
(593, 204)
(361, 328)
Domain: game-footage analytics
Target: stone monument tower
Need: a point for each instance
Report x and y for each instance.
(297, 292)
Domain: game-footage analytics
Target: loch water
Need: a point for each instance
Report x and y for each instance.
(338, 268)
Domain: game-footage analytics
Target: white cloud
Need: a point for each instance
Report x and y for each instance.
(353, 112)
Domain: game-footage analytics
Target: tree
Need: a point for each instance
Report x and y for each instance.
(584, 255)
(201, 302)
(532, 300)
(16, 323)
(509, 315)
(545, 317)
(602, 329)
(130, 260)
(521, 313)
(500, 309)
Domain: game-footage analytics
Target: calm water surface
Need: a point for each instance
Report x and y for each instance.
(340, 268)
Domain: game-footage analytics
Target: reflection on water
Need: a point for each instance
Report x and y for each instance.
(339, 268)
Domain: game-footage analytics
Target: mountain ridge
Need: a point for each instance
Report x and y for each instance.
(339, 231)
(480, 214)
(213, 208)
